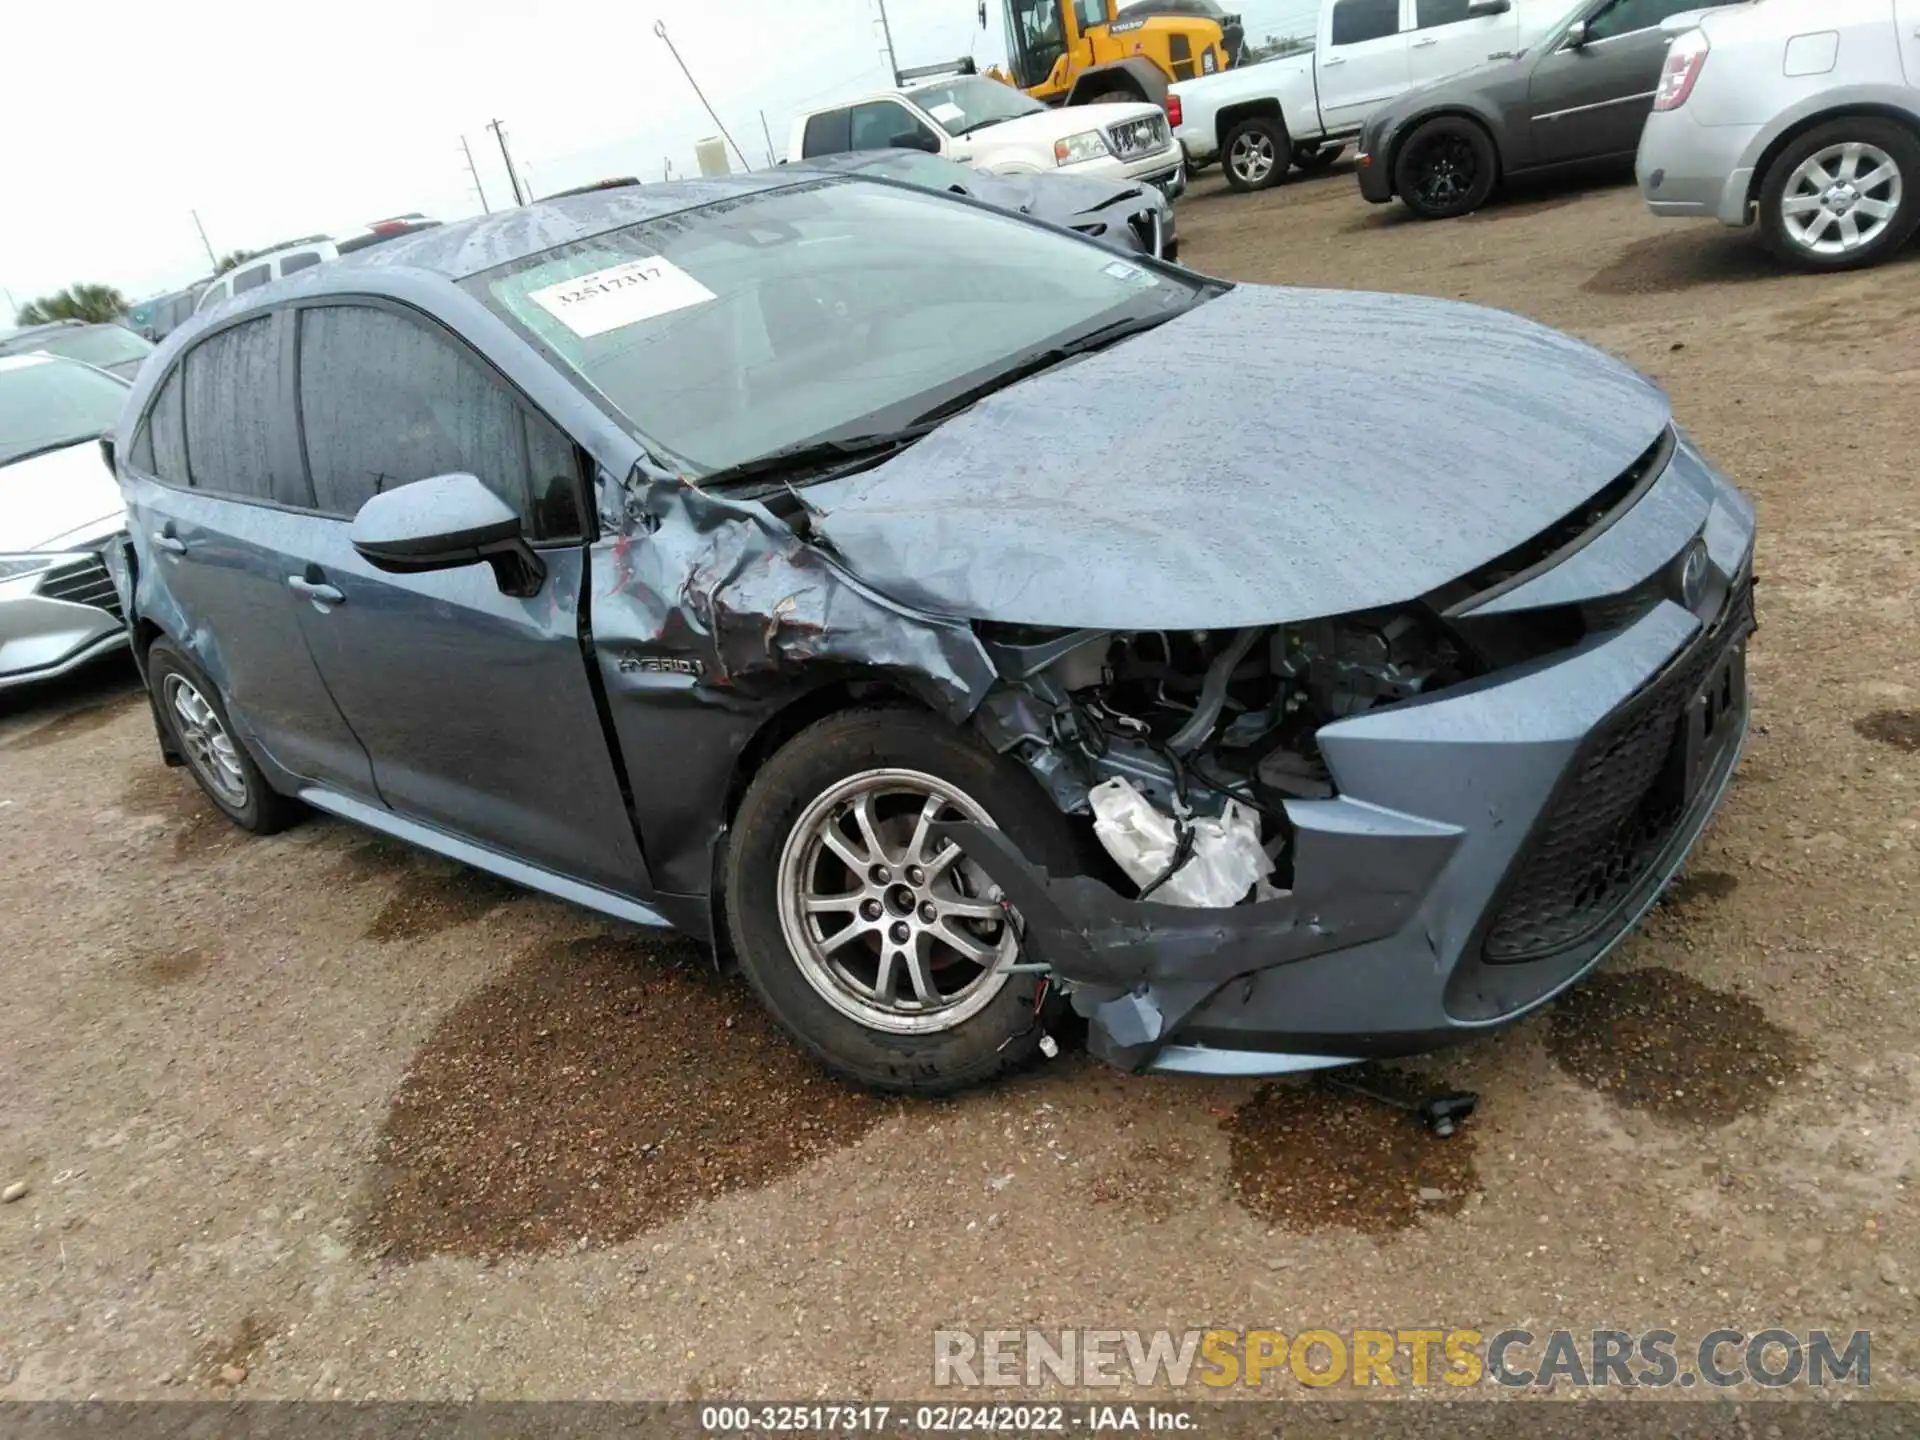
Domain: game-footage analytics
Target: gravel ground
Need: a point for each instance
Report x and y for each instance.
(318, 1116)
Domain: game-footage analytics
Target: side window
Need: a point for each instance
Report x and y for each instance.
(1357, 20)
(251, 279)
(879, 125)
(1429, 13)
(230, 400)
(827, 134)
(305, 260)
(1625, 16)
(167, 427)
(385, 401)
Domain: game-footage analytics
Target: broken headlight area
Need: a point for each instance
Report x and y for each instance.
(1185, 746)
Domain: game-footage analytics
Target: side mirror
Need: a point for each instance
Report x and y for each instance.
(446, 523)
(1479, 9)
(1577, 35)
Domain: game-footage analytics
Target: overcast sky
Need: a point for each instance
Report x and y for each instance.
(122, 116)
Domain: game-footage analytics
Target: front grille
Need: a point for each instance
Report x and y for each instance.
(1146, 136)
(1614, 812)
(85, 582)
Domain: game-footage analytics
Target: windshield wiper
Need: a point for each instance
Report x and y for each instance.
(818, 459)
(1042, 360)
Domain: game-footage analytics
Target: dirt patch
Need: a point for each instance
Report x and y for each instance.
(170, 967)
(1658, 1041)
(74, 723)
(1700, 886)
(602, 1087)
(170, 794)
(1152, 1180)
(1689, 256)
(1307, 1157)
(1898, 728)
(433, 896)
(225, 1362)
(371, 858)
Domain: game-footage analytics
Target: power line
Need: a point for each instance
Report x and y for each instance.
(660, 29)
(512, 178)
(478, 188)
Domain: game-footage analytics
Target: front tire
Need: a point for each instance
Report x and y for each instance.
(880, 951)
(1844, 195)
(1255, 154)
(190, 706)
(1446, 168)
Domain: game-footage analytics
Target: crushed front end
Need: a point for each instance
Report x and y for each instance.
(1467, 800)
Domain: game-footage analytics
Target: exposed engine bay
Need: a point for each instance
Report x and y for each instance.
(1198, 722)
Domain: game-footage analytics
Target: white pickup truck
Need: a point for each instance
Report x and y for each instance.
(1260, 120)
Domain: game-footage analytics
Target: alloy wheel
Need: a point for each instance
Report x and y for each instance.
(210, 749)
(1841, 198)
(1447, 170)
(1253, 156)
(893, 929)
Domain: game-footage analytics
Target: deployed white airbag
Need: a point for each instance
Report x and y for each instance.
(1226, 862)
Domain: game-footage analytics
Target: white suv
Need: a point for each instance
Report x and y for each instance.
(304, 254)
(1805, 113)
(995, 128)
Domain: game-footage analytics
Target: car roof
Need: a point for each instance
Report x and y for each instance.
(468, 247)
(9, 337)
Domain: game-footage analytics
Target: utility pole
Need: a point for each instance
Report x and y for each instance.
(660, 29)
(479, 189)
(512, 178)
(893, 62)
(767, 130)
(213, 261)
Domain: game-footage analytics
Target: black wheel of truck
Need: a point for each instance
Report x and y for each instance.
(190, 706)
(1255, 154)
(882, 951)
(1446, 168)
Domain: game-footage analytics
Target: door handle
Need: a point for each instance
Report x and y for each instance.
(1336, 60)
(172, 544)
(314, 591)
(1422, 44)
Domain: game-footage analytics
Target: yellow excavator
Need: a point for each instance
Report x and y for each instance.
(1085, 52)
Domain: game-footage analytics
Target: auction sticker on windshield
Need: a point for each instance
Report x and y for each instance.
(948, 114)
(612, 299)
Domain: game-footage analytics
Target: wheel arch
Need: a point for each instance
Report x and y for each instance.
(1265, 108)
(1136, 74)
(1842, 110)
(1414, 123)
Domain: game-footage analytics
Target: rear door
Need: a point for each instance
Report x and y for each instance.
(476, 708)
(208, 481)
(1591, 102)
(1447, 40)
(1361, 61)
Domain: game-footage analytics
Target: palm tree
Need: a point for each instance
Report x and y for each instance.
(231, 259)
(96, 304)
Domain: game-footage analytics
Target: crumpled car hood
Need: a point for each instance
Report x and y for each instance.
(1273, 455)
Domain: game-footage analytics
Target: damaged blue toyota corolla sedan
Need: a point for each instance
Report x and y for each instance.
(808, 564)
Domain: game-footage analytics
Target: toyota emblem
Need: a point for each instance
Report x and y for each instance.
(1693, 575)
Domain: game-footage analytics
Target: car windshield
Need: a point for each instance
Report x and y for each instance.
(50, 404)
(964, 106)
(833, 308)
(96, 344)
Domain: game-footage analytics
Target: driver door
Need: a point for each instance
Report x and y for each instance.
(475, 708)
(1591, 101)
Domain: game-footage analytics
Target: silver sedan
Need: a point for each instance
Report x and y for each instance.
(59, 506)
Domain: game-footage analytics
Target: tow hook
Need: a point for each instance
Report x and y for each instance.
(1442, 1113)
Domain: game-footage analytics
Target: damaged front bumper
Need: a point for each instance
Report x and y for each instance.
(1487, 847)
